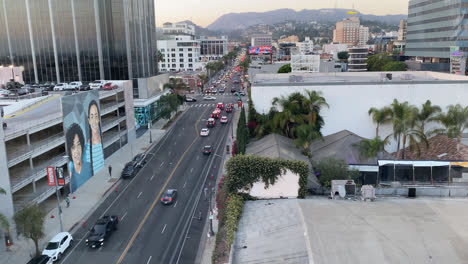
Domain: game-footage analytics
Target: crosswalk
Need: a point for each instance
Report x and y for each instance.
(202, 105)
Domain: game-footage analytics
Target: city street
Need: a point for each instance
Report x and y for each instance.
(150, 232)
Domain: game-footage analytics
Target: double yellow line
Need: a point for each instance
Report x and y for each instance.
(32, 107)
(159, 195)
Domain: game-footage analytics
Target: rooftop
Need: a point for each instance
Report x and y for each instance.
(357, 78)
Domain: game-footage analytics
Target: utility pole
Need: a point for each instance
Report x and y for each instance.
(58, 201)
(149, 128)
(211, 216)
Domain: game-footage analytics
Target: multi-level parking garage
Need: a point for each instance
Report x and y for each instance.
(35, 139)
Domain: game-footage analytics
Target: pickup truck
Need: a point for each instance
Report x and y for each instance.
(101, 230)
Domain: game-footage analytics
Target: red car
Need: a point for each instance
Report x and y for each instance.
(220, 106)
(109, 86)
(228, 109)
(216, 113)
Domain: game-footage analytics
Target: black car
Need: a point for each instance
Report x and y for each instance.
(169, 196)
(84, 86)
(207, 149)
(42, 259)
(101, 230)
(233, 90)
(49, 86)
(139, 160)
(129, 171)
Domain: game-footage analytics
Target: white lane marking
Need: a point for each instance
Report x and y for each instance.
(121, 219)
(139, 195)
(175, 203)
(184, 185)
(191, 170)
(152, 177)
(149, 260)
(175, 143)
(198, 157)
(164, 229)
(169, 153)
(161, 164)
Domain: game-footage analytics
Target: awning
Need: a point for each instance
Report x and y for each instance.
(417, 163)
(461, 164)
(366, 168)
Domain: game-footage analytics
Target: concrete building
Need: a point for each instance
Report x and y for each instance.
(86, 40)
(357, 59)
(181, 28)
(289, 39)
(334, 48)
(35, 139)
(363, 35)
(261, 40)
(347, 31)
(305, 63)
(307, 46)
(352, 94)
(212, 48)
(181, 53)
(433, 27)
(402, 30)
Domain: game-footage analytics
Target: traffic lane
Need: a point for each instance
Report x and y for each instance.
(127, 207)
(166, 223)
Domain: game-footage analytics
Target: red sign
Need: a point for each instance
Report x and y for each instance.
(239, 103)
(51, 176)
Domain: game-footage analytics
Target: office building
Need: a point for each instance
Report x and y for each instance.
(347, 31)
(307, 46)
(181, 28)
(289, 39)
(181, 53)
(212, 48)
(402, 30)
(363, 35)
(79, 40)
(434, 27)
(357, 59)
(261, 40)
(334, 48)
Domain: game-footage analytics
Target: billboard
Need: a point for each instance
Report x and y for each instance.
(83, 136)
(259, 50)
(457, 61)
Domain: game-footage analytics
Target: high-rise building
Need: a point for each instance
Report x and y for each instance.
(363, 35)
(212, 48)
(79, 40)
(435, 26)
(261, 40)
(357, 60)
(402, 30)
(347, 31)
(181, 53)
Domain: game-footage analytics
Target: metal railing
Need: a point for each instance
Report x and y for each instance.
(22, 97)
(34, 149)
(18, 129)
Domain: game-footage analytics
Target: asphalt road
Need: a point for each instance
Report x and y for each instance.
(150, 232)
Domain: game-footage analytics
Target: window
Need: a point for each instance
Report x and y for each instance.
(181, 49)
(181, 60)
(190, 54)
(163, 60)
(172, 49)
(173, 55)
(181, 65)
(190, 65)
(181, 54)
(173, 60)
(162, 50)
(163, 65)
(190, 60)
(190, 49)
(173, 66)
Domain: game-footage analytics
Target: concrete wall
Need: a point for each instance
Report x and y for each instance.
(147, 87)
(129, 110)
(349, 103)
(6, 201)
(286, 186)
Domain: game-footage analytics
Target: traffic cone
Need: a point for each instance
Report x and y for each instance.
(211, 176)
(83, 223)
(115, 188)
(52, 216)
(74, 197)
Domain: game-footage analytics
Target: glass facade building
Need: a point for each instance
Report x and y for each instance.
(434, 26)
(79, 40)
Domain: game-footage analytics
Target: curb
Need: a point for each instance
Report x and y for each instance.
(113, 185)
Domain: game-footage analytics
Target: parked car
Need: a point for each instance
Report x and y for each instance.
(204, 132)
(18, 92)
(207, 150)
(129, 170)
(29, 88)
(139, 160)
(84, 86)
(101, 230)
(4, 93)
(58, 245)
(109, 86)
(74, 86)
(169, 196)
(42, 259)
(41, 90)
(61, 87)
(97, 84)
(49, 86)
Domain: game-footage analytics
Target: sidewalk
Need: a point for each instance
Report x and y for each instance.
(207, 244)
(83, 202)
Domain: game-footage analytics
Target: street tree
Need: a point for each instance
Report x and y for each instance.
(427, 113)
(285, 68)
(455, 121)
(4, 223)
(371, 148)
(30, 223)
(380, 117)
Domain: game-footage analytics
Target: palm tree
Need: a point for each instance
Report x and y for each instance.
(176, 84)
(370, 148)
(209, 67)
(4, 223)
(315, 102)
(306, 134)
(427, 114)
(204, 79)
(290, 116)
(160, 56)
(455, 121)
(404, 117)
(380, 117)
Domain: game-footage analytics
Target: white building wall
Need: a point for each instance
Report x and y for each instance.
(334, 48)
(287, 185)
(349, 103)
(169, 47)
(363, 35)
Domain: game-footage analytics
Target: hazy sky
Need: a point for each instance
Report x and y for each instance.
(204, 12)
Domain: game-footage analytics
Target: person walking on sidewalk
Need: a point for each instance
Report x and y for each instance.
(110, 171)
(67, 200)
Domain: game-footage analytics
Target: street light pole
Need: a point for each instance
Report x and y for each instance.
(211, 216)
(58, 200)
(12, 73)
(149, 128)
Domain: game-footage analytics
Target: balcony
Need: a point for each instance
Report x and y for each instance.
(22, 177)
(35, 149)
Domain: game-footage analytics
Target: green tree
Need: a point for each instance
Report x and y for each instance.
(204, 79)
(30, 223)
(371, 148)
(315, 102)
(330, 168)
(176, 84)
(169, 103)
(343, 55)
(306, 134)
(242, 133)
(455, 121)
(377, 62)
(291, 114)
(285, 68)
(160, 56)
(380, 117)
(427, 113)
(394, 66)
(4, 223)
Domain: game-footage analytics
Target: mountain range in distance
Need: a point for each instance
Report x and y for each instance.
(239, 21)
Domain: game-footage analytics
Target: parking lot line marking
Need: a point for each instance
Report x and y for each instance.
(149, 260)
(191, 170)
(152, 177)
(198, 157)
(139, 195)
(175, 203)
(155, 201)
(169, 153)
(161, 164)
(121, 219)
(162, 232)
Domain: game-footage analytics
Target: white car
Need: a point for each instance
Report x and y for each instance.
(58, 245)
(96, 85)
(209, 98)
(223, 120)
(204, 132)
(74, 86)
(61, 87)
(4, 93)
